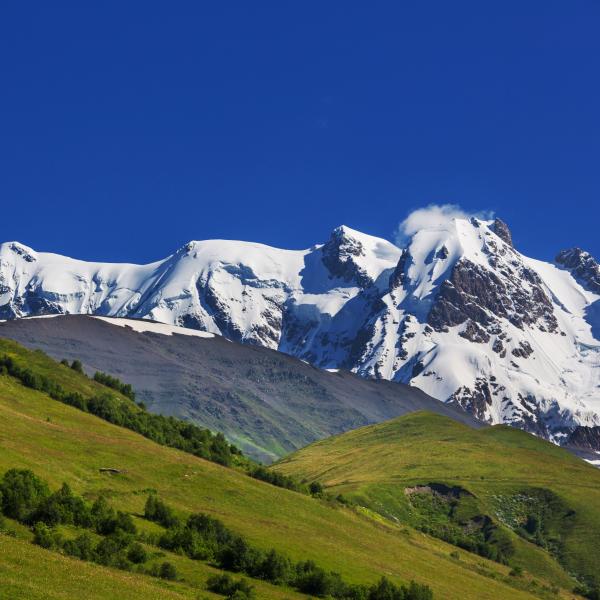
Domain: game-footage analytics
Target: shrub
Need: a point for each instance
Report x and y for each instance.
(227, 586)
(115, 384)
(315, 489)
(82, 547)
(167, 571)
(77, 366)
(46, 537)
(22, 493)
(137, 554)
(63, 507)
(159, 512)
(277, 479)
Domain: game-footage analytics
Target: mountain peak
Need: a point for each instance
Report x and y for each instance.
(20, 250)
(500, 228)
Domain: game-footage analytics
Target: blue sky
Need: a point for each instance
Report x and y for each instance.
(127, 129)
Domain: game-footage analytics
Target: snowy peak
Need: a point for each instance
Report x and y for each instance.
(456, 311)
(356, 257)
(18, 251)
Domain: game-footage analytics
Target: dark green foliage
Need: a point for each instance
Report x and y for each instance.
(277, 479)
(225, 585)
(46, 537)
(22, 493)
(106, 521)
(313, 580)
(315, 489)
(453, 516)
(545, 518)
(238, 556)
(206, 538)
(159, 512)
(82, 547)
(167, 571)
(27, 498)
(77, 366)
(275, 567)
(63, 507)
(166, 431)
(137, 554)
(592, 592)
(115, 384)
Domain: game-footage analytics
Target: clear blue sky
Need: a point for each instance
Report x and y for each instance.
(127, 129)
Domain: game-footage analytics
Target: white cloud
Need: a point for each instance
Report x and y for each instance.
(435, 216)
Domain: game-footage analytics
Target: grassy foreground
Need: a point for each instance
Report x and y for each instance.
(509, 473)
(61, 443)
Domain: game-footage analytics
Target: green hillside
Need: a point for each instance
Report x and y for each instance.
(526, 496)
(60, 443)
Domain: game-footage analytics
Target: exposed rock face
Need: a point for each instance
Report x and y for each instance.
(476, 293)
(339, 255)
(500, 228)
(583, 266)
(476, 401)
(587, 438)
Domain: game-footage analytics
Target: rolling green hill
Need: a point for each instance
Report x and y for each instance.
(467, 485)
(63, 444)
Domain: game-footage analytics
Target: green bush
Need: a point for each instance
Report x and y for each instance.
(137, 554)
(115, 384)
(77, 366)
(167, 571)
(82, 547)
(225, 585)
(22, 493)
(63, 507)
(159, 512)
(315, 489)
(46, 537)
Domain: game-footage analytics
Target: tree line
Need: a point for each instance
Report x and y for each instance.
(109, 536)
(202, 537)
(166, 431)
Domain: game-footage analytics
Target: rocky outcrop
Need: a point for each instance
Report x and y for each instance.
(476, 401)
(483, 296)
(339, 254)
(583, 266)
(586, 438)
(500, 228)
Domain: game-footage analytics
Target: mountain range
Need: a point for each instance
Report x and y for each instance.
(454, 310)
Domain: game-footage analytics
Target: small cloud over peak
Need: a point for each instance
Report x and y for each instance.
(435, 216)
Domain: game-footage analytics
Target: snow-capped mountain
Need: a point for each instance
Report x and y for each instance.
(457, 311)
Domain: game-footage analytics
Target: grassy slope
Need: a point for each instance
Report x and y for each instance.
(375, 464)
(63, 444)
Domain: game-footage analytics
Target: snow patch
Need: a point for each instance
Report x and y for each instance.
(142, 326)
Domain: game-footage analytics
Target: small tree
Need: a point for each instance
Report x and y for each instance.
(137, 554)
(77, 366)
(22, 492)
(315, 489)
(45, 536)
(167, 571)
